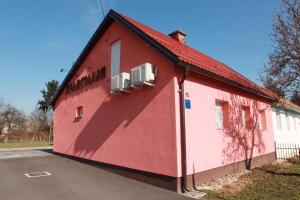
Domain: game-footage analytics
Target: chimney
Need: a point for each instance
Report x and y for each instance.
(178, 35)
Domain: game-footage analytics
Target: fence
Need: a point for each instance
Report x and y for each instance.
(285, 151)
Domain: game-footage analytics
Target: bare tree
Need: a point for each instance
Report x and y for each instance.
(39, 123)
(282, 73)
(1, 120)
(38, 119)
(9, 115)
(12, 118)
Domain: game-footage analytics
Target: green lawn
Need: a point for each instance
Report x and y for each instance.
(278, 181)
(25, 144)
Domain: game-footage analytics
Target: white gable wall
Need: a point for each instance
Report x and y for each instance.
(290, 126)
(288, 134)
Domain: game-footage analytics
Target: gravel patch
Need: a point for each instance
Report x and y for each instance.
(195, 194)
(219, 183)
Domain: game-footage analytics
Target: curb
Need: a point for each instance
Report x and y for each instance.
(26, 148)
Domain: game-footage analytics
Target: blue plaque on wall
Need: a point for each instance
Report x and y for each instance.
(188, 104)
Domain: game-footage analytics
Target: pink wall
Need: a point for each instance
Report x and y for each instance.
(207, 147)
(141, 130)
(135, 130)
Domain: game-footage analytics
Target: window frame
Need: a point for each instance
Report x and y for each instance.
(223, 115)
(115, 58)
(294, 122)
(79, 112)
(287, 121)
(219, 115)
(278, 119)
(262, 120)
(245, 116)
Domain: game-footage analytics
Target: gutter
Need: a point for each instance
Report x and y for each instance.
(224, 80)
(281, 106)
(190, 68)
(184, 185)
(109, 18)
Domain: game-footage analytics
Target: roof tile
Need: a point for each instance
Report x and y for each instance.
(191, 56)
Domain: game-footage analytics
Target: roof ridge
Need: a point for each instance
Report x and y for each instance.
(176, 52)
(186, 49)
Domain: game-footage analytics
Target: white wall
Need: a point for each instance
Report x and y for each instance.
(289, 133)
(285, 134)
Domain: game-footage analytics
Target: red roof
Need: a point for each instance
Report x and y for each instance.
(174, 50)
(193, 57)
(288, 104)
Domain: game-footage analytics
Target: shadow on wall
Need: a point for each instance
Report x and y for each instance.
(242, 141)
(69, 97)
(114, 112)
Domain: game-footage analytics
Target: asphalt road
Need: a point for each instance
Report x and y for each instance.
(25, 152)
(70, 180)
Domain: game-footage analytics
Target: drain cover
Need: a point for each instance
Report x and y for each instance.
(37, 174)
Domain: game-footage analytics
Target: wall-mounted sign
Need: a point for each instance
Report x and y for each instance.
(86, 81)
(188, 104)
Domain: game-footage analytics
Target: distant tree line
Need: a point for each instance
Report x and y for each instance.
(16, 126)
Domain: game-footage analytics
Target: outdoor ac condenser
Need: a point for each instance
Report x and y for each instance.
(142, 75)
(120, 83)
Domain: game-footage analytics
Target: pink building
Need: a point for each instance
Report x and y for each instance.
(180, 119)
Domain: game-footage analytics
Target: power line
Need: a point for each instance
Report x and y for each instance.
(102, 7)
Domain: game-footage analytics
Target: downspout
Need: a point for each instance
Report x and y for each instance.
(184, 185)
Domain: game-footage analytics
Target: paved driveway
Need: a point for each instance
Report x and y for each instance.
(70, 180)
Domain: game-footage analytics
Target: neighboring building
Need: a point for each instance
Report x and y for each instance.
(189, 115)
(4, 131)
(286, 125)
(3, 134)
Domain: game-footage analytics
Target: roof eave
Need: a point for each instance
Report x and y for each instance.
(224, 80)
(285, 106)
(109, 18)
(100, 30)
(157, 46)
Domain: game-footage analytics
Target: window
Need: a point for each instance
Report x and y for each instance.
(219, 111)
(245, 117)
(295, 123)
(222, 114)
(287, 121)
(262, 120)
(115, 58)
(278, 120)
(79, 112)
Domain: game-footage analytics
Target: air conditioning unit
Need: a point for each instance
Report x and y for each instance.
(120, 83)
(142, 75)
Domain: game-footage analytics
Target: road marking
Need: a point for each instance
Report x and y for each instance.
(37, 174)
